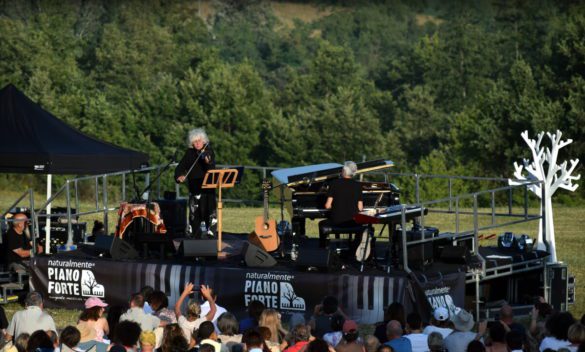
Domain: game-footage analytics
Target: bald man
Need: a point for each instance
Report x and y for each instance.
(398, 342)
(507, 319)
(18, 245)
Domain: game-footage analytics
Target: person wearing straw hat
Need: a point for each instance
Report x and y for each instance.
(463, 323)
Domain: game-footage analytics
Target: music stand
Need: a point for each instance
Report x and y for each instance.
(222, 178)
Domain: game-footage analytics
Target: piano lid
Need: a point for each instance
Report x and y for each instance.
(320, 172)
(283, 175)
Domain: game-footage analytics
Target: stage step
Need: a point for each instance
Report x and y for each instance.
(6, 276)
(8, 292)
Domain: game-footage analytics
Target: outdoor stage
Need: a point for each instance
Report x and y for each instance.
(67, 279)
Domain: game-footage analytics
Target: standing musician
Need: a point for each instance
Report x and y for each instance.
(198, 159)
(344, 198)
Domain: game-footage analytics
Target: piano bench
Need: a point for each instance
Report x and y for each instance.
(339, 245)
(338, 230)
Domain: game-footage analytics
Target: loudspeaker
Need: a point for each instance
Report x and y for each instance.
(454, 255)
(256, 257)
(558, 285)
(122, 250)
(320, 258)
(198, 248)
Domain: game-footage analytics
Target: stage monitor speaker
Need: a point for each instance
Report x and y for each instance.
(198, 248)
(256, 257)
(319, 258)
(454, 255)
(122, 250)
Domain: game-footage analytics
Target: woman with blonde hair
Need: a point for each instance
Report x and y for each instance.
(193, 320)
(270, 318)
(147, 341)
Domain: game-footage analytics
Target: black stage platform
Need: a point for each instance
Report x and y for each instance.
(67, 279)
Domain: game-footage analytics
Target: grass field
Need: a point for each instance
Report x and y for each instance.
(568, 224)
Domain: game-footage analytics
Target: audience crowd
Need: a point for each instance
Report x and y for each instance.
(147, 324)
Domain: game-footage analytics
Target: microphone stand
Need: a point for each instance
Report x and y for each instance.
(162, 171)
(148, 187)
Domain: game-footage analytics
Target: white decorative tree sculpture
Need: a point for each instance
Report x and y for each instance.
(543, 167)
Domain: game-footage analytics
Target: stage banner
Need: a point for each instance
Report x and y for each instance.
(67, 282)
(445, 291)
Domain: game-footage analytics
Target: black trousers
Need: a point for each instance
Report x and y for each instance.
(202, 207)
(3, 320)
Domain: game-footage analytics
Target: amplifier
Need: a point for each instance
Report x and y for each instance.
(558, 285)
(420, 255)
(59, 232)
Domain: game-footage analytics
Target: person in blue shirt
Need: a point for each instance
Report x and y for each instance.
(398, 342)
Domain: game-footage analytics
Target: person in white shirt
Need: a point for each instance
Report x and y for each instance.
(31, 319)
(194, 317)
(558, 326)
(219, 310)
(136, 314)
(460, 339)
(418, 340)
(439, 323)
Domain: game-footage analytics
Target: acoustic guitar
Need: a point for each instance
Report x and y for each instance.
(264, 234)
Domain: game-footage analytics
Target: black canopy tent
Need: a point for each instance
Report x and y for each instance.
(32, 140)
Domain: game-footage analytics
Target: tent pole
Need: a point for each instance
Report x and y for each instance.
(48, 218)
(69, 227)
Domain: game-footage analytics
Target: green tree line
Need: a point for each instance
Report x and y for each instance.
(442, 87)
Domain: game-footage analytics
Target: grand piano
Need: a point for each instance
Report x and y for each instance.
(306, 190)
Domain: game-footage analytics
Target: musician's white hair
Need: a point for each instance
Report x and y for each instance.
(349, 169)
(195, 134)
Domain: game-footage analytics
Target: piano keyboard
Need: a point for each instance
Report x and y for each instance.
(167, 278)
(364, 298)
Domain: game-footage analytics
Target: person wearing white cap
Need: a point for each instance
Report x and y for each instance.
(439, 323)
(463, 322)
(93, 316)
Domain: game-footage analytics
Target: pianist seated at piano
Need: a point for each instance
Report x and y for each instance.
(344, 200)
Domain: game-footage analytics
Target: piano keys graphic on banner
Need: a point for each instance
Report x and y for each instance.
(67, 283)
